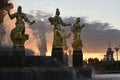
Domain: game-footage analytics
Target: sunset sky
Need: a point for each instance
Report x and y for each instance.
(102, 16)
(101, 10)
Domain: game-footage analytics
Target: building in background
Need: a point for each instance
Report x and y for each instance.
(109, 54)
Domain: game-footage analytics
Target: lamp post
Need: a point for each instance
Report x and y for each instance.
(117, 49)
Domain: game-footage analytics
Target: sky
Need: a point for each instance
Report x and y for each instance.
(100, 10)
(101, 18)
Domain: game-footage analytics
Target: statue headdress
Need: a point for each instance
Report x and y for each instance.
(57, 11)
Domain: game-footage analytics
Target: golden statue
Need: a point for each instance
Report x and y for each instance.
(18, 35)
(76, 29)
(58, 32)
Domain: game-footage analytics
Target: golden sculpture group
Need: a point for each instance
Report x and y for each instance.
(19, 37)
(59, 33)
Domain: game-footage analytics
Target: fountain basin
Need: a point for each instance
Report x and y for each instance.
(37, 73)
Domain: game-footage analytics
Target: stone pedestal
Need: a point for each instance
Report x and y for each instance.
(58, 54)
(20, 57)
(77, 58)
(20, 51)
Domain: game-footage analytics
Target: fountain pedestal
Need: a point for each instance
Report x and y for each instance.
(57, 53)
(20, 57)
(77, 58)
(18, 48)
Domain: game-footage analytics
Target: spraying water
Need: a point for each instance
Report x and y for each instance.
(36, 42)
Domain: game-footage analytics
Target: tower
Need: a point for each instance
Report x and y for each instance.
(109, 54)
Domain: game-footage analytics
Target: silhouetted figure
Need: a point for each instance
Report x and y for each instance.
(4, 5)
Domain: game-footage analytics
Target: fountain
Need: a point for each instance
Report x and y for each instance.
(17, 66)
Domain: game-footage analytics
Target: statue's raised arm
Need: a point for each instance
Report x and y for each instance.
(12, 16)
(27, 20)
(20, 16)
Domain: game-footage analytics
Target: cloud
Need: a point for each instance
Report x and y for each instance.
(95, 35)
